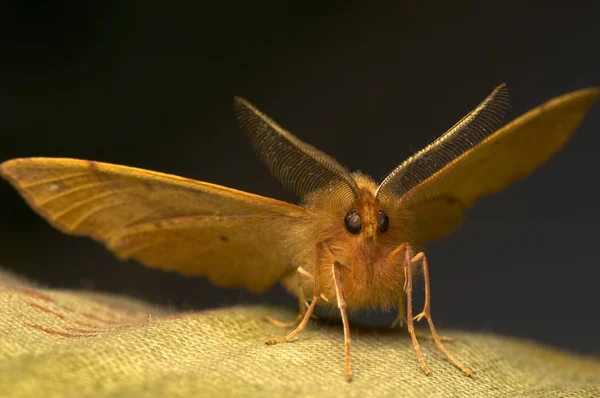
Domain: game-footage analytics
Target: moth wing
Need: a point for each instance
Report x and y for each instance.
(509, 154)
(163, 221)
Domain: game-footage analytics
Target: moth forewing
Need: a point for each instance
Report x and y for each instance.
(161, 220)
(509, 154)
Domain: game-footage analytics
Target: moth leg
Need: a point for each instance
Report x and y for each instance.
(342, 306)
(392, 258)
(302, 306)
(426, 313)
(409, 317)
(401, 318)
(311, 307)
(401, 321)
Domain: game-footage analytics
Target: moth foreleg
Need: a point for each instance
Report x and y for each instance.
(342, 307)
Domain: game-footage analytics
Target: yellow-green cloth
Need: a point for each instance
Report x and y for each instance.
(56, 343)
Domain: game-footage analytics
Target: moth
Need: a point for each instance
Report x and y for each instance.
(350, 244)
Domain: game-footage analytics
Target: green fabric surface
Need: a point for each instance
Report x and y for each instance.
(56, 343)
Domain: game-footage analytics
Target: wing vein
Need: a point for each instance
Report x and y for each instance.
(92, 212)
(76, 205)
(51, 180)
(71, 191)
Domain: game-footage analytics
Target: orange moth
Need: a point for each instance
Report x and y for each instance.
(350, 244)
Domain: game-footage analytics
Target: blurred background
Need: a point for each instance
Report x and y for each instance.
(146, 84)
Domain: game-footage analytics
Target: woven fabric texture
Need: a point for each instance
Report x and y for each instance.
(57, 343)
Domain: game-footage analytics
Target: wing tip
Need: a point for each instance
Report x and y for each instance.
(580, 100)
(7, 168)
(593, 92)
(589, 94)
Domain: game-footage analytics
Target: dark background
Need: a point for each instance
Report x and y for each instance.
(146, 84)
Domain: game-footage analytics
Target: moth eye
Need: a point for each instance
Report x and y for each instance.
(353, 223)
(384, 221)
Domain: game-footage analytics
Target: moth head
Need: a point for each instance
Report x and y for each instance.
(367, 220)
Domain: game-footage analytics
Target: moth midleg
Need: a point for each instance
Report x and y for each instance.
(313, 303)
(342, 306)
(401, 318)
(409, 316)
(426, 313)
(401, 322)
(392, 257)
(302, 304)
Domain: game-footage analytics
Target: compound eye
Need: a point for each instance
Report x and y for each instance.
(353, 222)
(383, 222)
